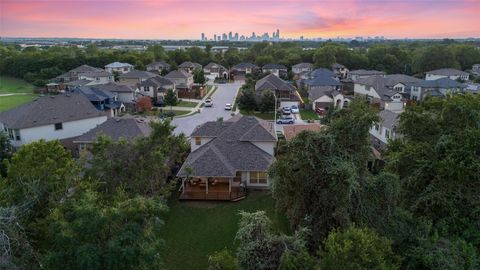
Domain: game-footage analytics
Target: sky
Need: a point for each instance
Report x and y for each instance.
(187, 19)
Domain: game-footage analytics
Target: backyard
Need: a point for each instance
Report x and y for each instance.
(195, 229)
(308, 115)
(14, 92)
(184, 103)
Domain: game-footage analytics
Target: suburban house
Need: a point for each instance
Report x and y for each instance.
(340, 70)
(227, 158)
(387, 92)
(362, 73)
(115, 128)
(476, 69)
(290, 131)
(322, 98)
(79, 76)
(214, 70)
(472, 88)
(50, 118)
(189, 66)
(451, 73)
(302, 68)
(158, 67)
(385, 129)
(134, 77)
(184, 84)
(156, 88)
(321, 78)
(123, 93)
(275, 69)
(102, 99)
(439, 88)
(284, 92)
(118, 67)
(242, 69)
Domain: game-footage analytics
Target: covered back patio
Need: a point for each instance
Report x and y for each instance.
(212, 188)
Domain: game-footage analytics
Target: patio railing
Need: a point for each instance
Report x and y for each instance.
(213, 195)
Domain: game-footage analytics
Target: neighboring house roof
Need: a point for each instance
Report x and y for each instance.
(473, 88)
(388, 119)
(157, 81)
(94, 74)
(244, 66)
(317, 92)
(303, 65)
(158, 64)
(214, 66)
(137, 74)
(49, 110)
(364, 72)
(337, 66)
(94, 93)
(323, 72)
(322, 80)
(439, 83)
(116, 128)
(178, 74)
(290, 131)
(274, 66)
(114, 87)
(85, 68)
(78, 83)
(272, 82)
(231, 148)
(384, 84)
(447, 72)
(118, 65)
(188, 64)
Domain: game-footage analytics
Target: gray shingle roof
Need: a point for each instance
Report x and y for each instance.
(323, 72)
(138, 74)
(116, 128)
(364, 72)
(274, 66)
(94, 94)
(322, 80)
(303, 65)
(448, 72)
(389, 119)
(188, 64)
(232, 149)
(50, 110)
(175, 74)
(85, 68)
(244, 66)
(438, 83)
(317, 92)
(214, 65)
(159, 64)
(115, 87)
(384, 84)
(157, 81)
(118, 65)
(272, 82)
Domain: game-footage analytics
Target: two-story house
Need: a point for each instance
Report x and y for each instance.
(79, 76)
(362, 74)
(284, 91)
(438, 88)
(214, 70)
(385, 129)
(183, 83)
(340, 70)
(135, 77)
(50, 118)
(302, 68)
(239, 71)
(123, 93)
(156, 88)
(276, 69)
(227, 158)
(120, 68)
(158, 67)
(189, 66)
(102, 99)
(451, 73)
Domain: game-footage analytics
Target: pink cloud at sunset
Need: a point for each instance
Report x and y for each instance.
(170, 19)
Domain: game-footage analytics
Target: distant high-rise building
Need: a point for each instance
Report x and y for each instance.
(203, 36)
(224, 36)
(214, 37)
(254, 35)
(236, 37)
(230, 36)
(278, 34)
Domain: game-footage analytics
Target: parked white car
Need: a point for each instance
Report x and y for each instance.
(295, 109)
(208, 103)
(228, 107)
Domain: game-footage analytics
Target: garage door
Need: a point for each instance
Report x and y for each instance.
(288, 103)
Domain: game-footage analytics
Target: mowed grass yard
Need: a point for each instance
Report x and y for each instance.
(195, 229)
(16, 87)
(10, 85)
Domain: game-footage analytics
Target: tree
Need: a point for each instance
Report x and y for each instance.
(199, 76)
(158, 52)
(170, 98)
(434, 57)
(222, 260)
(144, 104)
(357, 248)
(88, 232)
(5, 152)
(267, 104)
(324, 57)
(246, 99)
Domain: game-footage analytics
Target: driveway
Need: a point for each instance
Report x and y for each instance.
(225, 93)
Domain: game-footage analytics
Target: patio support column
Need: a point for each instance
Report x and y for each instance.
(206, 186)
(184, 185)
(230, 184)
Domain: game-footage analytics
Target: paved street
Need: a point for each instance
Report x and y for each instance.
(225, 93)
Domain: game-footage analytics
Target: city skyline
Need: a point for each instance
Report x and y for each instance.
(185, 19)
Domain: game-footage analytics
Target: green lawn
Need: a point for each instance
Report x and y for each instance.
(308, 115)
(9, 85)
(195, 229)
(187, 104)
(264, 116)
(9, 102)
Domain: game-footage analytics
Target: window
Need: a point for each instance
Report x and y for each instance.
(377, 127)
(258, 177)
(58, 126)
(82, 147)
(17, 134)
(146, 88)
(387, 133)
(198, 141)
